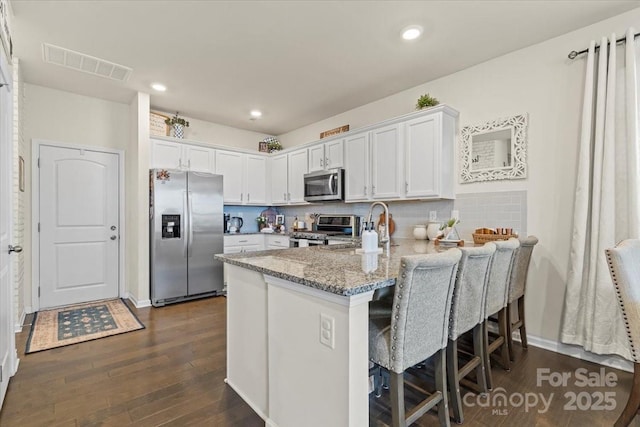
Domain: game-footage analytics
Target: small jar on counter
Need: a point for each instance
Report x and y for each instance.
(420, 232)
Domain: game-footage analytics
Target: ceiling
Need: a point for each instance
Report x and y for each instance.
(298, 61)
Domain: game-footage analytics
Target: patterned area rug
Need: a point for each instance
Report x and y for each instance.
(81, 322)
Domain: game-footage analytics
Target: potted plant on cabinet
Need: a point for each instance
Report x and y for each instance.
(178, 124)
(425, 101)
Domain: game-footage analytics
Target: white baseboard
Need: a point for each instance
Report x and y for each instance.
(18, 326)
(28, 309)
(611, 361)
(138, 304)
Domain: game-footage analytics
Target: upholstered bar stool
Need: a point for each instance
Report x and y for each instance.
(416, 331)
(496, 303)
(624, 266)
(466, 315)
(517, 287)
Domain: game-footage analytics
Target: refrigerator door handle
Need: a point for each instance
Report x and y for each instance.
(186, 224)
(190, 199)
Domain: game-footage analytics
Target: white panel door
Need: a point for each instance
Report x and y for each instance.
(166, 155)
(386, 163)
(78, 225)
(7, 337)
(422, 156)
(316, 158)
(230, 164)
(279, 185)
(199, 159)
(357, 185)
(297, 169)
(334, 154)
(256, 180)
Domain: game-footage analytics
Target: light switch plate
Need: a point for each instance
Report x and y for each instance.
(433, 215)
(327, 330)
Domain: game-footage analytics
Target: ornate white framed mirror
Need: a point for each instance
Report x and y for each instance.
(494, 150)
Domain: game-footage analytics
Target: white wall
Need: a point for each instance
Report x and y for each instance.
(217, 134)
(538, 80)
(66, 117)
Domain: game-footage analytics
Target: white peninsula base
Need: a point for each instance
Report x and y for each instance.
(275, 358)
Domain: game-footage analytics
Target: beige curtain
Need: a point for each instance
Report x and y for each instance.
(606, 199)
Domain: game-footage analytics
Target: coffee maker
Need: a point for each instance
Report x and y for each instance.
(227, 218)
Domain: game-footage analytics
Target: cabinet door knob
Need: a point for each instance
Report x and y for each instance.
(248, 197)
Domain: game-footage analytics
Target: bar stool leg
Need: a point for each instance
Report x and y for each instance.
(478, 350)
(397, 400)
(633, 404)
(487, 356)
(502, 327)
(441, 386)
(523, 327)
(454, 381)
(510, 333)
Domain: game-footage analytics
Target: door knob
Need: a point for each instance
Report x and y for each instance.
(114, 237)
(16, 249)
(113, 227)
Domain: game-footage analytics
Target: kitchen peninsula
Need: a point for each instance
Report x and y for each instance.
(297, 330)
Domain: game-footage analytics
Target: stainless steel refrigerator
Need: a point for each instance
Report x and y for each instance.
(186, 230)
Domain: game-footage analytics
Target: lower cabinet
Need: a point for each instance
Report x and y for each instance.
(237, 243)
(276, 242)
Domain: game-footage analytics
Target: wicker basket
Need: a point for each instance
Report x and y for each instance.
(484, 238)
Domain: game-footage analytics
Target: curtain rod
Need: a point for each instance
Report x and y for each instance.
(573, 54)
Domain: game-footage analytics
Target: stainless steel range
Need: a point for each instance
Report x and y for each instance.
(327, 226)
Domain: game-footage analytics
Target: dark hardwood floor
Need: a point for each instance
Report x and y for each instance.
(171, 374)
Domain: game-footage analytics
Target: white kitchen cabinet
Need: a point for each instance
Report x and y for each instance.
(357, 185)
(329, 155)
(279, 179)
(287, 177)
(230, 165)
(386, 163)
(237, 243)
(173, 155)
(255, 180)
(429, 156)
(276, 242)
(297, 163)
(245, 177)
(373, 165)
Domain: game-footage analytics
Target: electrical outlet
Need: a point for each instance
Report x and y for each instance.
(327, 330)
(455, 214)
(433, 215)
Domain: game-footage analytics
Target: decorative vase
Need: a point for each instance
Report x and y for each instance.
(178, 130)
(433, 230)
(420, 232)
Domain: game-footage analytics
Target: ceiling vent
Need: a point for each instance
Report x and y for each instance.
(85, 63)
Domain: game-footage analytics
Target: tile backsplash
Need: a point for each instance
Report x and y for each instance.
(507, 209)
(497, 209)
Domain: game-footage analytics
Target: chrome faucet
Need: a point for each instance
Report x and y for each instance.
(383, 239)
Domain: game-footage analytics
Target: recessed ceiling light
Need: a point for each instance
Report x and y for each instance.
(159, 87)
(412, 32)
(256, 114)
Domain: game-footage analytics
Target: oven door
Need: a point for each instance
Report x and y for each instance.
(324, 185)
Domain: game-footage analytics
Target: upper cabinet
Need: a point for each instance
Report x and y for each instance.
(245, 176)
(429, 137)
(329, 155)
(287, 177)
(279, 179)
(373, 165)
(297, 168)
(410, 158)
(173, 155)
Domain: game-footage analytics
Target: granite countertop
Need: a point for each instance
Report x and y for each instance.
(333, 268)
(286, 233)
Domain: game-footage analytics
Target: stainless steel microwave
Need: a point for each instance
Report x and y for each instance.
(324, 185)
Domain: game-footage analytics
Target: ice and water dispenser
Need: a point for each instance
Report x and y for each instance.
(170, 226)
